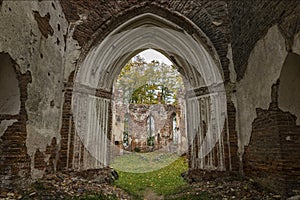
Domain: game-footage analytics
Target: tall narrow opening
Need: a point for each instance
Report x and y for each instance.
(147, 95)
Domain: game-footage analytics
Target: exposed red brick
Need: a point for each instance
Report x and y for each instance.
(273, 154)
(251, 20)
(14, 160)
(52, 150)
(105, 17)
(66, 153)
(43, 24)
(39, 160)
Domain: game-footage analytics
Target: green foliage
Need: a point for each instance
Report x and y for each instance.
(125, 138)
(163, 181)
(143, 162)
(148, 94)
(150, 141)
(137, 149)
(141, 82)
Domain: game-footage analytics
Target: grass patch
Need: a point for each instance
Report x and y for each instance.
(143, 162)
(164, 181)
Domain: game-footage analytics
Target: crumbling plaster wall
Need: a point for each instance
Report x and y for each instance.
(38, 47)
(264, 68)
(254, 90)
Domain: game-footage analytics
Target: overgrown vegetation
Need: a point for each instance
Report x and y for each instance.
(143, 162)
(163, 181)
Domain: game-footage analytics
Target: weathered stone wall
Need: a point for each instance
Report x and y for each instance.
(73, 154)
(138, 125)
(265, 63)
(32, 36)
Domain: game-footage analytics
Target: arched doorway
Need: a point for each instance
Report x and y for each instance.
(198, 63)
(147, 94)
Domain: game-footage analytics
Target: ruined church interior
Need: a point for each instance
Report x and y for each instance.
(240, 62)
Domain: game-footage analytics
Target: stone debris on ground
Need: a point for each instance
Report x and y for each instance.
(68, 185)
(226, 185)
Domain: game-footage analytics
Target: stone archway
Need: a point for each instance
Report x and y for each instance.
(197, 61)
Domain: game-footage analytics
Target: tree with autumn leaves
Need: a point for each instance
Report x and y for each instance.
(148, 83)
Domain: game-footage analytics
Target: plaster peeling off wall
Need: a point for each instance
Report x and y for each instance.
(4, 124)
(254, 90)
(32, 33)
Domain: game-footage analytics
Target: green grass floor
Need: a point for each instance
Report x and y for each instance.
(156, 172)
(164, 181)
(145, 162)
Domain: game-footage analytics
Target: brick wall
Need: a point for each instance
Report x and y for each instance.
(102, 18)
(14, 160)
(68, 157)
(250, 21)
(210, 16)
(163, 126)
(233, 139)
(273, 154)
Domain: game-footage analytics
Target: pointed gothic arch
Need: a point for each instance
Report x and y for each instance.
(195, 58)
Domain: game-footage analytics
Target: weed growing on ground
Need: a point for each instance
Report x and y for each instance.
(163, 181)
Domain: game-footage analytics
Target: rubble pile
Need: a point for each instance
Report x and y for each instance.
(228, 185)
(69, 185)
